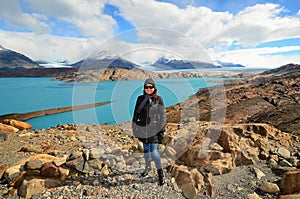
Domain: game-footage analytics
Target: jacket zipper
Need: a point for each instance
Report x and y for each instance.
(147, 125)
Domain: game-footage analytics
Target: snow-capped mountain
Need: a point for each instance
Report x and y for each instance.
(103, 55)
(10, 59)
(105, 59)
(54, 65)
(167, 62)
(228, 64)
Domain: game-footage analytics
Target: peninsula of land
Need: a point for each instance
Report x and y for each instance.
(40, 113)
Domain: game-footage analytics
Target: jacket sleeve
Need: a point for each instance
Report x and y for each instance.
(134, 118)
(162, 114)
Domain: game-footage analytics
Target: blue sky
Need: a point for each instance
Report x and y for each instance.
(255, 33)
(234, 6)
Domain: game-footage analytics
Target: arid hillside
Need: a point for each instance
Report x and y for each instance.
(272, 97)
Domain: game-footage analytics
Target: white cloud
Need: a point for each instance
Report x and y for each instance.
(195, 22)
(47, 47)
(53, 48)
(182, 47)
(12, 14)
(254, 25)
(261, 23)
(258, 57)
(86, 16)
(186, 33)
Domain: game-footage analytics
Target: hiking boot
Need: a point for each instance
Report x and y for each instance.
(161, 180)
(147, 170)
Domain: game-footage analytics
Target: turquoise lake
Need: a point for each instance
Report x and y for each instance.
(21, 95)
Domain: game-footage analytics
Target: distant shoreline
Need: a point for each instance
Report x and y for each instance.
(37, 72)
(89, 74)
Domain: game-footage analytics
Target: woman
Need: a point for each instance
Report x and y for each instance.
(148, 126)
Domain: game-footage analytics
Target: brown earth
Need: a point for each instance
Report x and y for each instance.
(270, 98)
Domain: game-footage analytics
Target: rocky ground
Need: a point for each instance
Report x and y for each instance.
(242, 158)
(271, 98)
(121, 180)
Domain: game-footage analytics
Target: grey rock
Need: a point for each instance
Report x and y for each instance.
(96, 153)
(283, 152)
(285, 163)
(75, 155)
(79, 164)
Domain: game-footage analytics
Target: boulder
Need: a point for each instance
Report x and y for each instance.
(34, 164)
(218, 150)
(96, 164)
(170, 152)
(63, 173)
(269, 187)
(16, 182)
(96, 153)
(189, 190)
(42, 157)
(79, 164)
(60, 160)
(290, 182)
(283, 152)
(259, 174)
(12, 172)
(190, 182)
(290, 196)
(248, 142)
(197, 178)
(17, 124)
(33, 186)
(49, 170)
(195, 156)
(210, 190)
(212, 161)
(3, 169)
(219, 166)
(7, 128)
(253, 196)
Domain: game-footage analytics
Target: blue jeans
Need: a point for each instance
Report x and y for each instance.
(151, 150)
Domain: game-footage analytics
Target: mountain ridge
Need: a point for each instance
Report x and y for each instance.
(10, 59)
(173, 63)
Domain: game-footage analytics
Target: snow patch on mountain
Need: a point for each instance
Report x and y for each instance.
(2, 48)
(227, 64)
(55, 65)
(103, 55)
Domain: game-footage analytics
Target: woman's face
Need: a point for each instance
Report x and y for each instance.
(149, 89)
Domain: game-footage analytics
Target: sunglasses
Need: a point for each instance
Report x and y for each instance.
(146, 87)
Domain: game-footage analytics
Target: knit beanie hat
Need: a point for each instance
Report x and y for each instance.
(149, 81)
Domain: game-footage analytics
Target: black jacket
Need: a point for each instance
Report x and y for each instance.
(148, 124)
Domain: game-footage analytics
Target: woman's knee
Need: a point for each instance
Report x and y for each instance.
(147, 148)
(155, 155)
